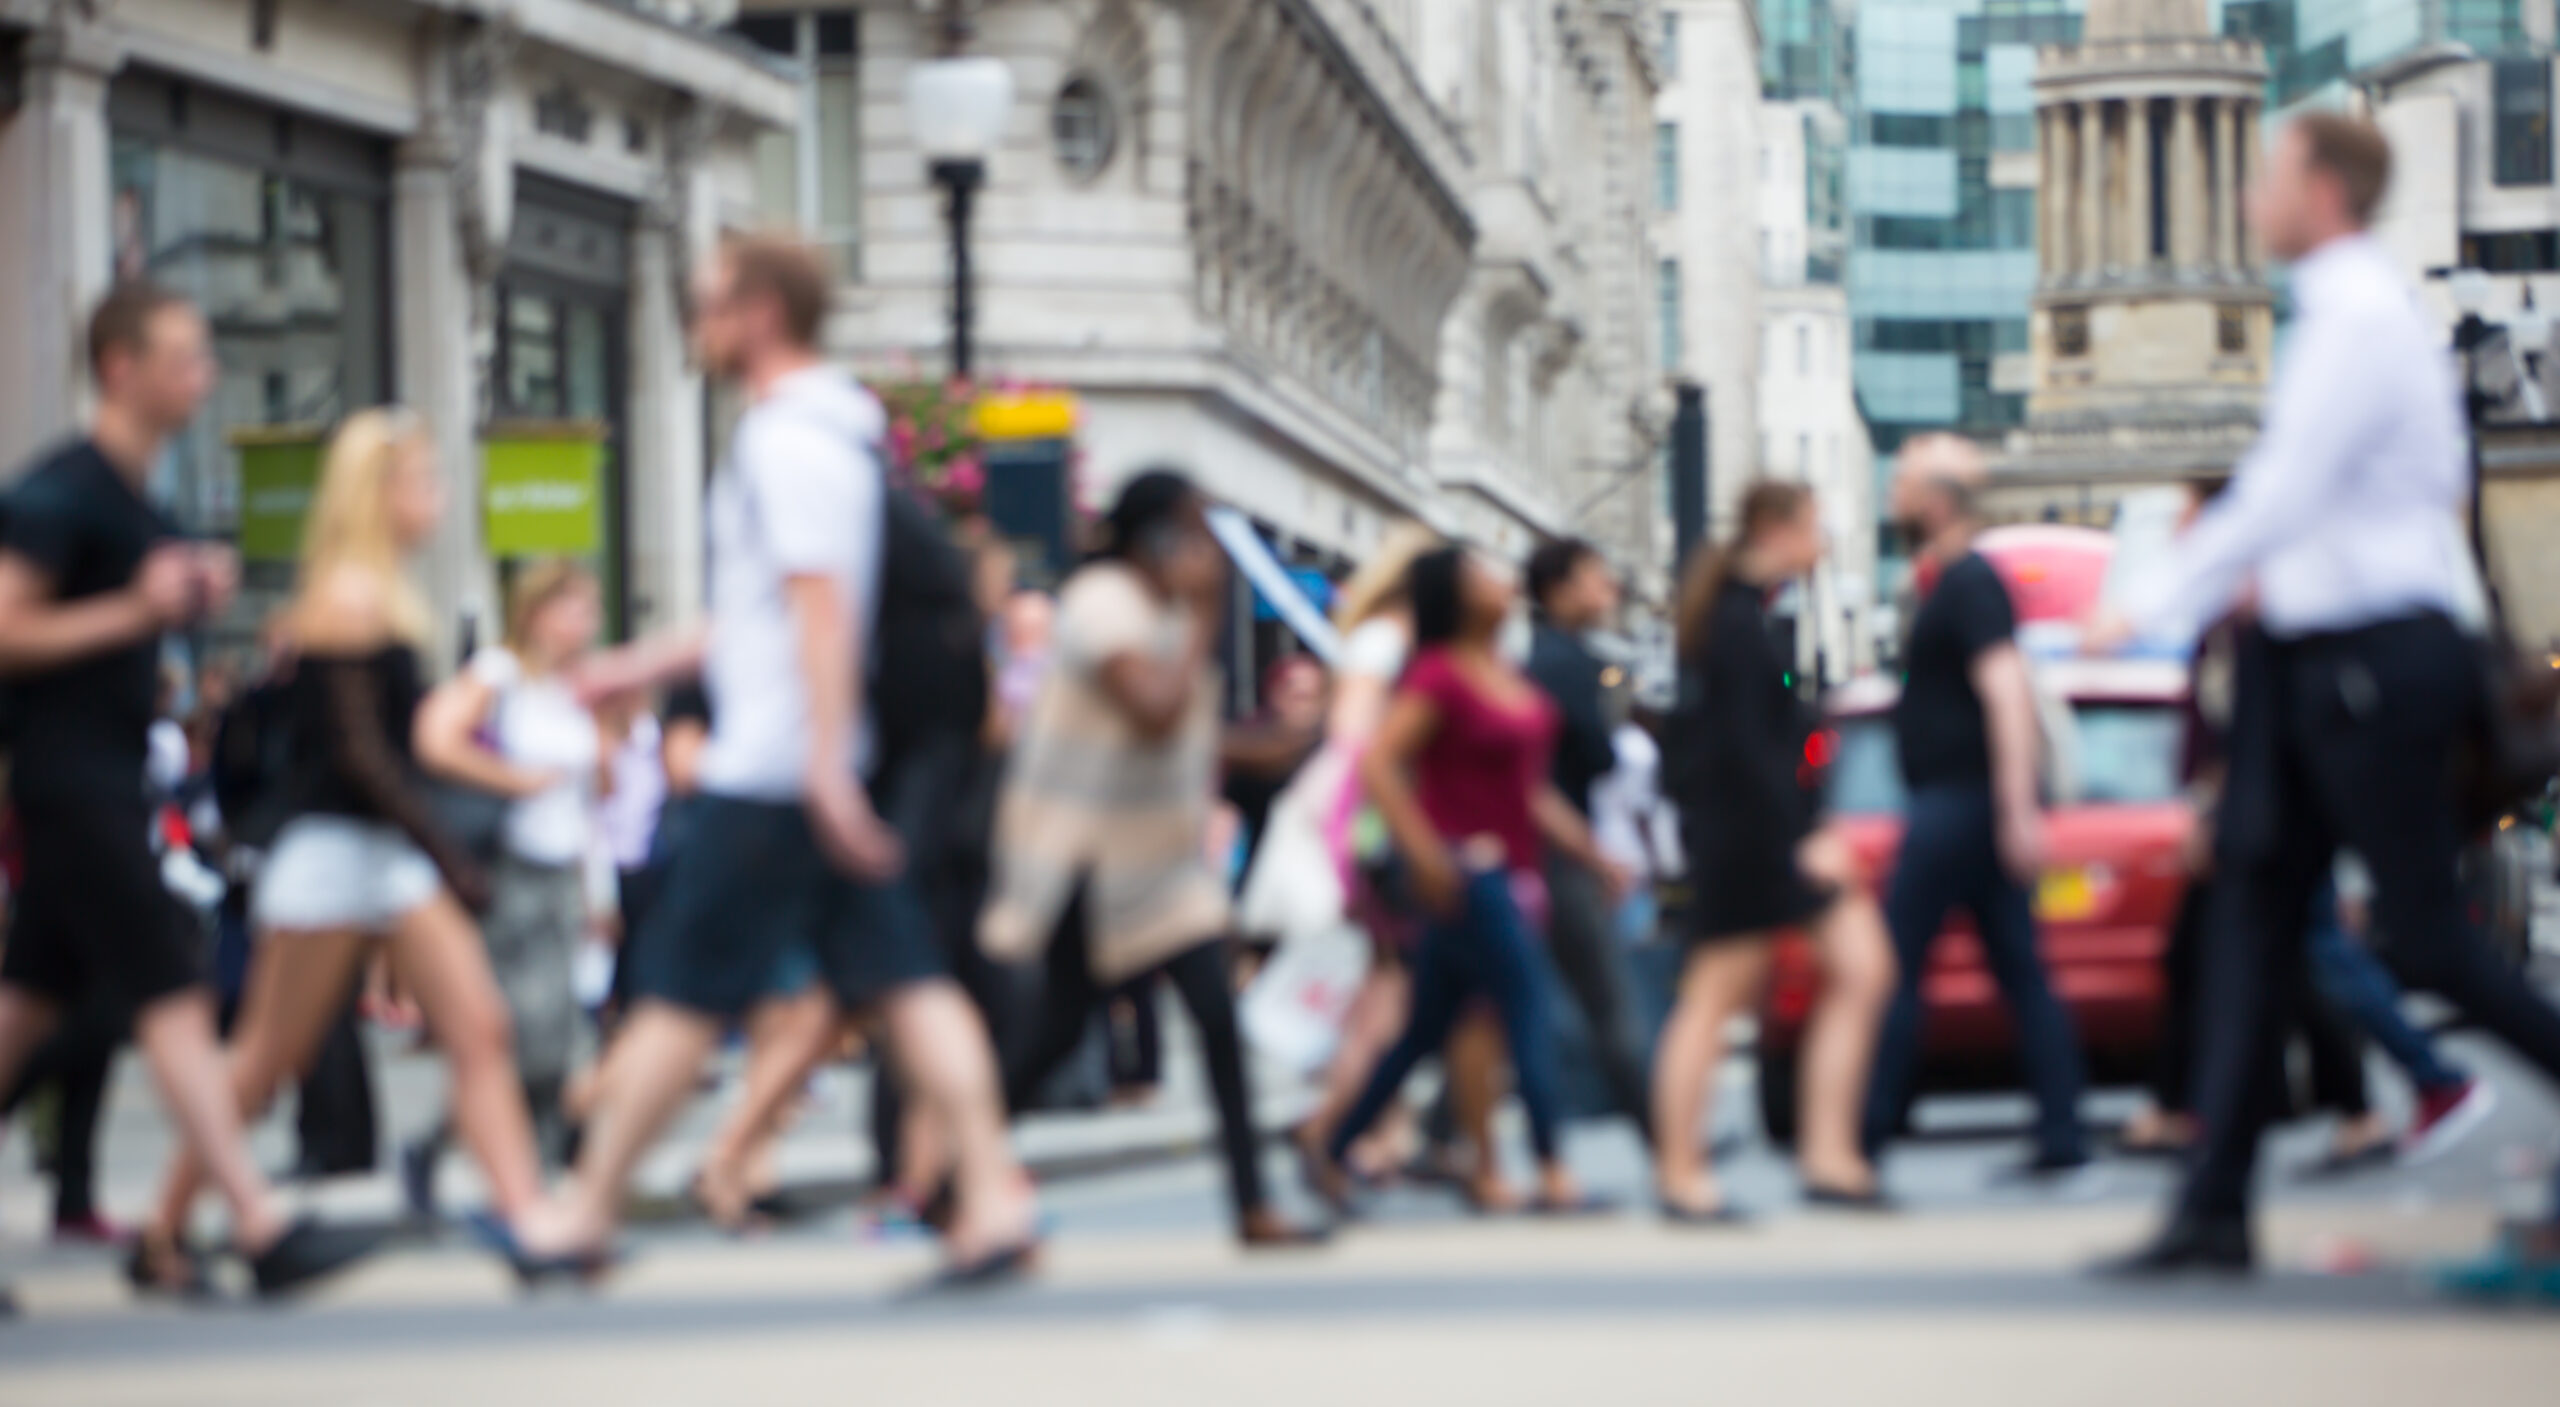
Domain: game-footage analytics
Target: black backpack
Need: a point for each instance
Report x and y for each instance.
(252, 752)
(928, 681)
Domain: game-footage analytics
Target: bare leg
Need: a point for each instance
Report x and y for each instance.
(787, 1039)
(177, 1041)
(1477, 1062)
(1840, 1042)
(440, 961)
(1719, 981)
(1374, 1019)
(942, 1047)
(655, 1064)
(297, 984)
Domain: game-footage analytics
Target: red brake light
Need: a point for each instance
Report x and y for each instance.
(1820, 748)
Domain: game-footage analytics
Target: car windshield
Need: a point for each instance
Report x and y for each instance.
(2121, 754)
(2126, 754)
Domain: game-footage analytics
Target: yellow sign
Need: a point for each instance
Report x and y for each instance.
(2066, 896)
(1028, 415)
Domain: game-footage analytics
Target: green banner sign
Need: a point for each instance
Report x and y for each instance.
(542, 490)
(279, 472)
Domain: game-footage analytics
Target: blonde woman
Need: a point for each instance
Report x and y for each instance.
(362, 859)
(510, 724)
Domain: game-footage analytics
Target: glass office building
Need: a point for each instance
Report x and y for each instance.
(1941, 192)
(2313, 46)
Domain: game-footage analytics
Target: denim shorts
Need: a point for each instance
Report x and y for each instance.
(746, 887)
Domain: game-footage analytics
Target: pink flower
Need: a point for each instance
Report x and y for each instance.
(965, 476)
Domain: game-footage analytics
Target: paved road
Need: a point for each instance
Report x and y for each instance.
(1973, 1299)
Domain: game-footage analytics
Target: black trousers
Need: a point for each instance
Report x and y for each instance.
(2331, 1041)
(334, 1113)
(75, 1064)
(1072, 996)
(1582, 938)
(2338, 740)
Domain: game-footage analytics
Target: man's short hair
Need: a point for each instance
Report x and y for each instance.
(2354, 150)
(122, 320)
(788, 271)
(1554, 564)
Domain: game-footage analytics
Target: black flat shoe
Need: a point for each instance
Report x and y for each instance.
(307, 1253)
(2186, 1247)
(2334, 1164)
(418, 1177)
(1842, 1199)
(1723, 1216)
(991, 1271)
(583, 1268)
(1580, 1204)
(167, 1268)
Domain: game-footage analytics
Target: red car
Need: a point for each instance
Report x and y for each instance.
(2115, 830)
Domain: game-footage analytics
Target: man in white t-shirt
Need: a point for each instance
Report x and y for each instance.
(787, 848)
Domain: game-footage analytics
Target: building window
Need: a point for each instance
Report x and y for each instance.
(811, 179)
(2231, 331)
(1671, 45)
(1085, 127)
(2524, 122)
(2071, 332)
(1670, 295)
(278, 227)
(1804, 349)
(1804, 456)
(1666, 165)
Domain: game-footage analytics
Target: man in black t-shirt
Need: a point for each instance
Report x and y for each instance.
(1572, 592)
(1974, 832)
(91, 576)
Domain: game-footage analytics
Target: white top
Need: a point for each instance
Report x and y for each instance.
(538, 725)
(1377, 648)
(1630, 821)
(2345, 509)
(799, 496)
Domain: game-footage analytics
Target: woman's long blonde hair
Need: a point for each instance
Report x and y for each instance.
(1380, 582)
(350, 526)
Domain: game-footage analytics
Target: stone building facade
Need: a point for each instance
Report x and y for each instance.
(484, 209)
(1348, 263)
(1811, 429)
(2154, 320)
(1711, 262)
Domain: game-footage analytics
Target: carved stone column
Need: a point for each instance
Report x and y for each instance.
(2093, 189)
(2053, 210)
(2226, 183)
(55, 234)
(2186, 190)
(2137, 184)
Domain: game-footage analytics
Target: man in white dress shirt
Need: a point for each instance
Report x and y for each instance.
(2344, 516)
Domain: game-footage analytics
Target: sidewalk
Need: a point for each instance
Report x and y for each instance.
(826, 1159)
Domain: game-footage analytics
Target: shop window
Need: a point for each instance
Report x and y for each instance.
(277, 227)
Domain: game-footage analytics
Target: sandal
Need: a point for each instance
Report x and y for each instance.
(155, 1265)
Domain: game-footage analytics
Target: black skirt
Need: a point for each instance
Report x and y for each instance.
(1743, 897)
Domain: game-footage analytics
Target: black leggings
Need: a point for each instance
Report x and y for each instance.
(1070, 999)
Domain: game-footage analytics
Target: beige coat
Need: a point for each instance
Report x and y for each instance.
(1087, 798)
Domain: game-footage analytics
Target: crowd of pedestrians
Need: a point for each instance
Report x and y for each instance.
(883, 799)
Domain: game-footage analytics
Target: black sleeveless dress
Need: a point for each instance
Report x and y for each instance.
(1736, 767)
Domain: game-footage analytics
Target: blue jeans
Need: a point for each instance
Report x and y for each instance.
(1951, 858)
(2355, 981)
(1482, 950)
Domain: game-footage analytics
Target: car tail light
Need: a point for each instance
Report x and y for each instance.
(1820, 746)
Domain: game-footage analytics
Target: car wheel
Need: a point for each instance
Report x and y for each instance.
(1777, 1090)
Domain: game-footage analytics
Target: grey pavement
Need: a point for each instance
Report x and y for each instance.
(1973, 1296)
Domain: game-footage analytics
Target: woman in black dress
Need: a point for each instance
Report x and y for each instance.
(1761, 863)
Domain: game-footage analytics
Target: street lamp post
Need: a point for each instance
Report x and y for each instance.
(956, 105)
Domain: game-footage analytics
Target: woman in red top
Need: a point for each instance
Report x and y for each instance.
(1459, 772)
